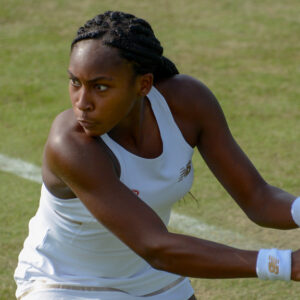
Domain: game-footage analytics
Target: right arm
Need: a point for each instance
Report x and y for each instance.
(85, 166)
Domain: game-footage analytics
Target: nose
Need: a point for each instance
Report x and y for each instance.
(84, 101)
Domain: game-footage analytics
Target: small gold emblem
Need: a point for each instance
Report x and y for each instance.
(273, 265)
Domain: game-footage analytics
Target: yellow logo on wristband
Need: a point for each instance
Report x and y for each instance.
(273, 265)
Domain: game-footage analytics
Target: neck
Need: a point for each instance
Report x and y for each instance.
(130, 130)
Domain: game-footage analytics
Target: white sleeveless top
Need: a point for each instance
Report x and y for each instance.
(68, 247)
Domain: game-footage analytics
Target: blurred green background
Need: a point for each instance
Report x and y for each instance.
(246, 52)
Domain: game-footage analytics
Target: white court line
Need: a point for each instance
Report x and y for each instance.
(20, 168)
(178, 222)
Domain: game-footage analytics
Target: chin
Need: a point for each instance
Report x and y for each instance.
(93, 132)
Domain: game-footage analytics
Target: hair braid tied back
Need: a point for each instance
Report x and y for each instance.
(135, 40)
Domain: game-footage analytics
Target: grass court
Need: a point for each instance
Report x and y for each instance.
(246, 52)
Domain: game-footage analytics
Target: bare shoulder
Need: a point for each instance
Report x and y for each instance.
(186, 91)
(192, 104)
(68, 141)
(64, 138)
(70, 153)
(63, 126)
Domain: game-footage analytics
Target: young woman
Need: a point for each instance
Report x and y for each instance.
(114, 165)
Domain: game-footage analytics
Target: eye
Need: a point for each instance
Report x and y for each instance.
(101, 87)
(75, 82)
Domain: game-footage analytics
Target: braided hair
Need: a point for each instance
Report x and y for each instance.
(135, 40)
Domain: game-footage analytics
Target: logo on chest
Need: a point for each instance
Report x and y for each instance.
(137, 192)
(185, 171)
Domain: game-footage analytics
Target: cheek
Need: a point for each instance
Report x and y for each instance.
(118, 103)
(112, 113)
(120, 109)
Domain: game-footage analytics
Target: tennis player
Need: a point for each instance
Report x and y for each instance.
(116, 162)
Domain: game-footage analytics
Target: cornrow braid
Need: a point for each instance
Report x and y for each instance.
(135, 40)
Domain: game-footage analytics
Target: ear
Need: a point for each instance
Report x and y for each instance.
(145, 84)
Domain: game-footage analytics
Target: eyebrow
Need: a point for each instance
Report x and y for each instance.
(93, 79)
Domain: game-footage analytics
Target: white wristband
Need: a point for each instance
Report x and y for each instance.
(295, 210)
(274, 264)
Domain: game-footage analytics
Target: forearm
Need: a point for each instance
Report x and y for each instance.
(194, 257)
(272, 208)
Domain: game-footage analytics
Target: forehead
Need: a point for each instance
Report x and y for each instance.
(90, 58)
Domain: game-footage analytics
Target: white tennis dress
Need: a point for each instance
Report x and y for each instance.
(68, 254)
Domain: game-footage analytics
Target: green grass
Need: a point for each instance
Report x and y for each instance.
(18, 203)
(247, 52)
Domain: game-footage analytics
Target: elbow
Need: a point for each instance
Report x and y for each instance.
(256, 218)
(155, 253)
(158, 262)
(258, 208)
(255, 212)
(259, 213)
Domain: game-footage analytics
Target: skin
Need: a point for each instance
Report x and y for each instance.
(78, 164)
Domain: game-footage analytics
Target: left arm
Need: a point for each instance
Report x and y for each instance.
(264, 204)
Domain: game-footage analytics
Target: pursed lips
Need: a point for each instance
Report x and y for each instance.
(86, 123)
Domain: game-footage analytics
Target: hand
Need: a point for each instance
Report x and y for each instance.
(295, 274)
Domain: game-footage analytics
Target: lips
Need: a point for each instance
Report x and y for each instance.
(86, 123)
